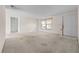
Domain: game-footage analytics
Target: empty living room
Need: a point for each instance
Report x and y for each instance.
(39, 29)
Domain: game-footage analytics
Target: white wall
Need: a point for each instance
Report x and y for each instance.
(26, 21)
(78, 24)
(30, 24)
(71, 23)
(57, 25)
(2, 27)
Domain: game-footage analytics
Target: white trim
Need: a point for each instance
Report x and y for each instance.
(18, 23)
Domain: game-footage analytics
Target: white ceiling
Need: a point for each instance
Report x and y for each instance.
(45, 10)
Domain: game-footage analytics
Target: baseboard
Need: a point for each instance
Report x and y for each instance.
(2, 45)
(70, 36)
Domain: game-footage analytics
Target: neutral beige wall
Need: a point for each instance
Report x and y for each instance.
(2, 27)
(27, 22)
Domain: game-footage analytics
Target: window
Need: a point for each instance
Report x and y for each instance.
(43, 23)
(13, 24)
(46, 24)
(49, 23)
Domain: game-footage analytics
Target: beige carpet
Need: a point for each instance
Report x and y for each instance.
(41, 43)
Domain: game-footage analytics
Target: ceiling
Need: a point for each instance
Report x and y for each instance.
(45, 10)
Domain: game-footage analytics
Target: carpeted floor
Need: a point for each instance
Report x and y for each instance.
(48, 43)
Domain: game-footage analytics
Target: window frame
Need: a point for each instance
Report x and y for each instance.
(46, 24)
(18, 20)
